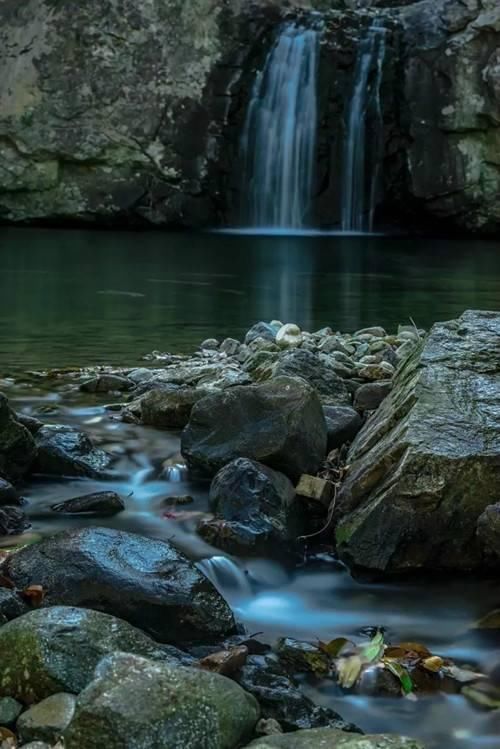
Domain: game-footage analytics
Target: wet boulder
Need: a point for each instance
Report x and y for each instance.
(426, 466)
(331, 738)
(8, 494)
(17, 446)
(11, 605)
(12, 521)
(64, 451)
(107, 383)
(59, 648)
(343, 423)
(134, 702)
(98, 504)
(259, 503)
(144, 581)
(279, 423)
(370, 395)
(317, 371)
(169, 408)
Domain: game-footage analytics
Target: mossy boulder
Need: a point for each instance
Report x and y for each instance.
(135, 703)
(330, 738)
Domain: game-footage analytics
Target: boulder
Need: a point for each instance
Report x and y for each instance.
(426, 466)
(343, 423)
(144, 581)
(317, 371)
(279, 423)
(47, 720)
(12, 521)
(331, 738)
(258, 499)
(169, 408)
(107, 383)
(17, 447)
(8, 494)
(64, 451)
(59, 647)
(369, 396)
(98, 504)
(135, 703)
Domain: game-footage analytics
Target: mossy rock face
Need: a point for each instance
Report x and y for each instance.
(135, 703)
(427, 464)
(57, 649)
(328, 738)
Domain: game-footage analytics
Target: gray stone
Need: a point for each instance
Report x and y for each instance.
(134, 703)
(230, 346)
(59, 648)
(11, 605)
(64, 451)
(98, 504)
(17, 447)
(426, 466)
(47, 720)
(279, 423)
(289, 336)
(10, 710)
(210, 344)
(343, 423)
(166, 595)
(317, 372)
(369, 396)
(262, 330)
(167, 408)
(107, 383)
(331, 738)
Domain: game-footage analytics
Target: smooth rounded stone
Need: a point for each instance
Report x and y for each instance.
(12, 521)
(17, 446)
(47, 720)
(317, 372)
(11, 605)
(107, 383)
(141, 375)
(64, 451)
(370, 359)
(210, 344)
(369, 396)
(279, 423)
(343, 423)
(135, 703)
(281, 700)
(98, 504)
(426, 464)
(262, 330)
(37, 745)
(375, 332)
(144, 581)
(59, 648)
(264, 500)
(380, 371)
(8, 494)
(331, 738)
(167, 408)
(10, 710)
(230, 346)
(288, 336)
(488, 530)
(323, 332)
(331, 344)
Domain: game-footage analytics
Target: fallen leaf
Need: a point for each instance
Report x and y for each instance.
(402, 674)
(434, 663)
(225, 662)
(335, 647)
(348, 670)
(411, 647)
(7, 737)
(374, 649)
(35, 595)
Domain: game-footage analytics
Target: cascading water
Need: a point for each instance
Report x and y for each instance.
(361, 170)
(279, 138)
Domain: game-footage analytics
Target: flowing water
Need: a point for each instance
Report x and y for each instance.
(76, 297)
(279, 137)
(363, 146)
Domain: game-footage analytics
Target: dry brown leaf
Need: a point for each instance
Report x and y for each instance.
(412, 647)
(225, 662)
(34, 594)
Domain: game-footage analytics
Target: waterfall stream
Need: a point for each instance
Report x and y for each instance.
(279, 138)
(364, 141)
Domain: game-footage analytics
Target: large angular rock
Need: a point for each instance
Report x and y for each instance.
(330, 738)
(144, 581)
(169, 408)
(135, 703)
(17, 447)
(60, 647)
(279, 423)
(427, 464)
(64, 451)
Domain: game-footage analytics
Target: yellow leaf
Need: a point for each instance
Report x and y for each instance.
(335, 647)
(348, 670)
(434, 663)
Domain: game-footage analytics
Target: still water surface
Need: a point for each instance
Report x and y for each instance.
(77, 297)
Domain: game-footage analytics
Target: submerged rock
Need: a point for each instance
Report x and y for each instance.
(64, 451)
(100, 504)
(426, 465)
(330, 738)
(17, 447)
(57, 649)
(134, 703)
(144, 581)
(279, 423)
(47, 720)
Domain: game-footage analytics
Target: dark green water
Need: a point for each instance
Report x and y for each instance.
(74, 297)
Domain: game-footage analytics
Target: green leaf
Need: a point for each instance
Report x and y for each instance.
(402, 674)
(374, 649)
(335, 647)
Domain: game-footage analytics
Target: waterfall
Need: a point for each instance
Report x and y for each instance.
(361, 169)
(279, 138)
